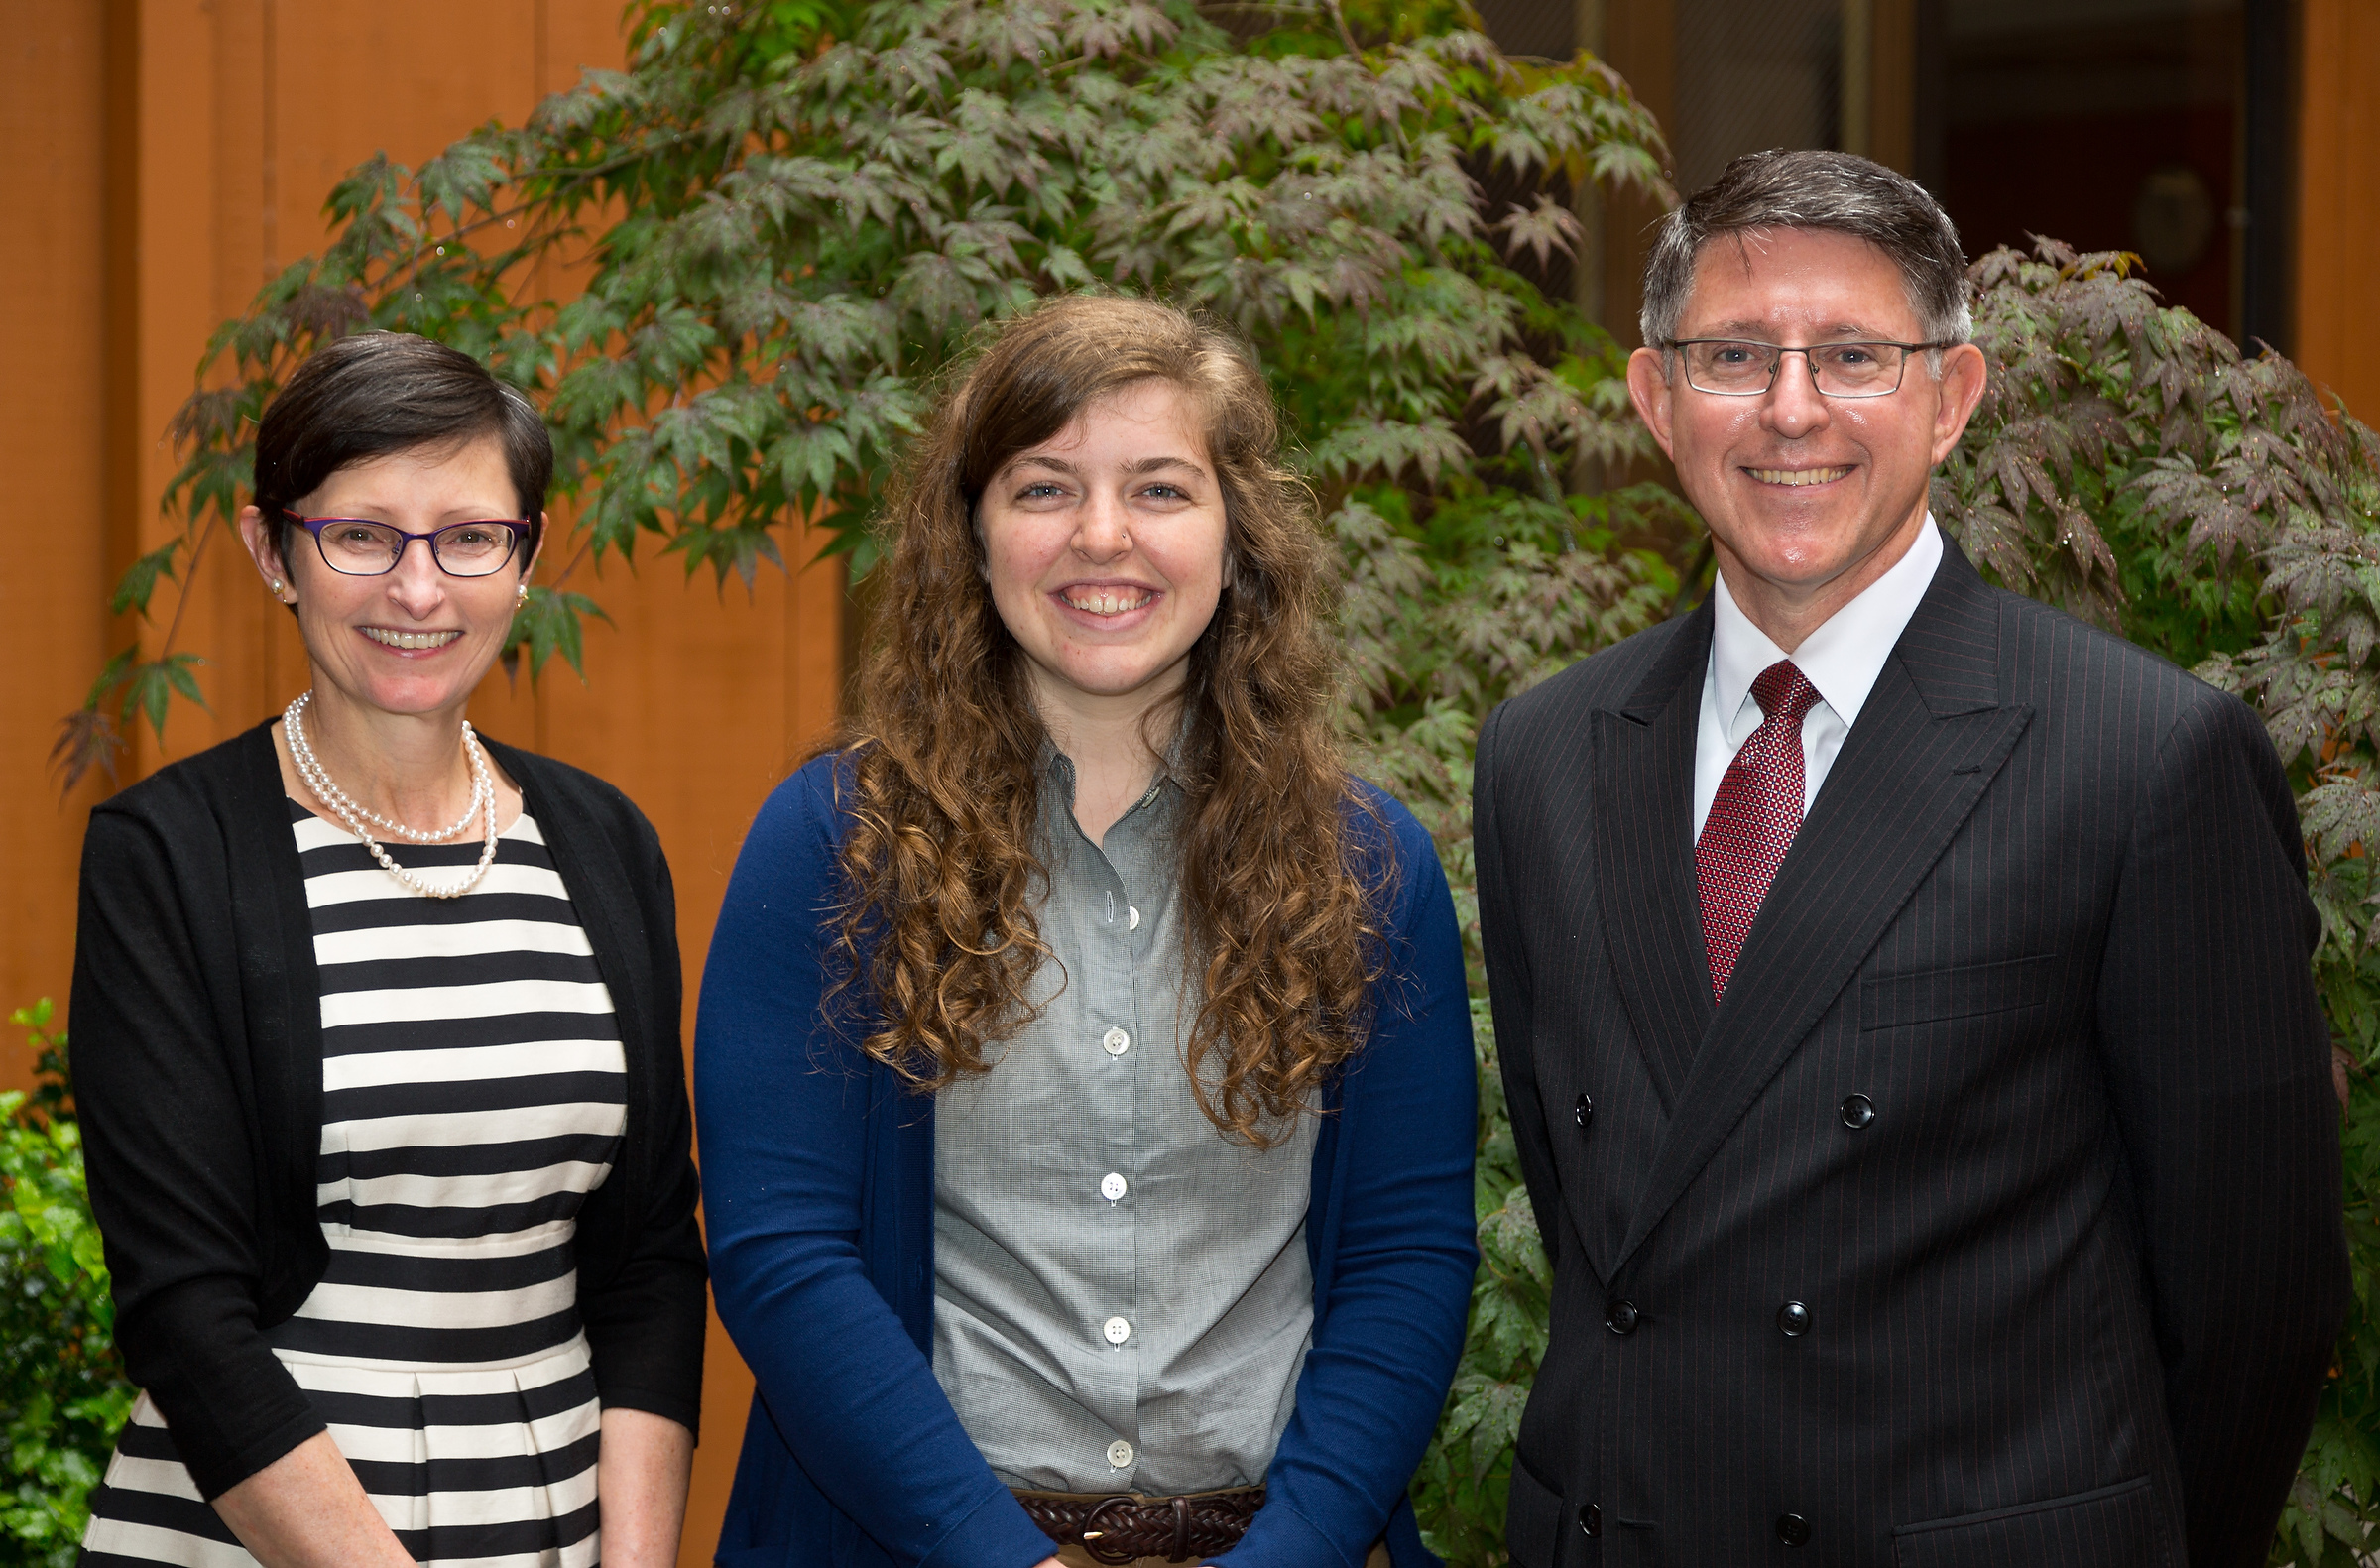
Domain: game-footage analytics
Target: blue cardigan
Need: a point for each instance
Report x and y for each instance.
(818, 1195)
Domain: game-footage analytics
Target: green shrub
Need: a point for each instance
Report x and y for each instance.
(62, 1393)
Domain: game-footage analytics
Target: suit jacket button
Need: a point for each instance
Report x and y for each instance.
(1857, 1110)
(1794, 1318)
(1620, 1316)
(1793, 1529)
(1591, 1521)
(1584, 1111)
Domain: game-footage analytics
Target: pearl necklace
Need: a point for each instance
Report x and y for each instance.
(355, 816)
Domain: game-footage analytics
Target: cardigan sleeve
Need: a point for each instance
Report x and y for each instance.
(786, 1111)
(1389, 1326)
(171, 1156)
(647, 1317)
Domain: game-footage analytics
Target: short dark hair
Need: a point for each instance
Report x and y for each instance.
(376, 392)
(1836, 191)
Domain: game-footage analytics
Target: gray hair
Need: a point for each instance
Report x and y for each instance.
(1834, 192)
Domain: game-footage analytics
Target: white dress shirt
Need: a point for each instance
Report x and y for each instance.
(1841, 659)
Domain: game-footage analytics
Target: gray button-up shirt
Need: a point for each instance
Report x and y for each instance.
(1123, 1299)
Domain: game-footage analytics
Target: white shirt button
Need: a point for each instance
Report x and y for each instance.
(1120, 1454)
(1110, 1187)
(1131, 919)
(1115, 1043)
(1116, 1330)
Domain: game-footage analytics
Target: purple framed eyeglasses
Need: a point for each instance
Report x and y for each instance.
(361, 548)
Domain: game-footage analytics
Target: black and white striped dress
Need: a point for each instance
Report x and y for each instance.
(474, 1091)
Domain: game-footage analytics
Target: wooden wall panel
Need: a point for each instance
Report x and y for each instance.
(2338, 201)
(1892, 95)
(54, 515)
(1640, 42)
(178, 153)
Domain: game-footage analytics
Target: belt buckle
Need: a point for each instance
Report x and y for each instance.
(1091, 1536)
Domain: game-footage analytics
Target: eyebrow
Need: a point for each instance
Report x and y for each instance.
(1751, 332)
(381, 511)
(1150, 465)
(1145, 465)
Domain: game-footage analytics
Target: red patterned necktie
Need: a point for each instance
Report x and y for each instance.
(1754, 817)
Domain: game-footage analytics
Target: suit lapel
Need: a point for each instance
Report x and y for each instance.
(1644, 856)
(1929, 741)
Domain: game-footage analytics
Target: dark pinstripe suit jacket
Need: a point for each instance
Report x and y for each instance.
(2068, 1270)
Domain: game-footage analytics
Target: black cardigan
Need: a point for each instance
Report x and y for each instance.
(197, 1057)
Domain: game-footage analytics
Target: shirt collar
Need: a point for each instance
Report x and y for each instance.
(1056, 770)
(1843, 656)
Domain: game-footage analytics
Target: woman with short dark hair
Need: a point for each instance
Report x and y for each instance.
(376, 1051)
(1084, 1064)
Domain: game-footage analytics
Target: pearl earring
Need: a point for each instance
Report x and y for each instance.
(275, 590)
(520, 597)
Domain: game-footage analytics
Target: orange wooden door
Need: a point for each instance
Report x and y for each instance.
(2338, 201)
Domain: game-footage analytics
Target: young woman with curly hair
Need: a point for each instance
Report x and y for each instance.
(1084, 1068)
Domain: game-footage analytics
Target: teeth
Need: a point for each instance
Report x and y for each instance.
(410, 639)
(1798, 476)
(1107, 601)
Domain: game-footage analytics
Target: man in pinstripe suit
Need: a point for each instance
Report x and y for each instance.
(1902, 993)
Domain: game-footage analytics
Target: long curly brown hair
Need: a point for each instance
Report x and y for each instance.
(1281, 908)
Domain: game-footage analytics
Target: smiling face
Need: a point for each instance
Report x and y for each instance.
(1809, 498)
(1105, 548)
(413, 641)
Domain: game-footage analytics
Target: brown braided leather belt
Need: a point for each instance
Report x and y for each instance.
(1124, 1527)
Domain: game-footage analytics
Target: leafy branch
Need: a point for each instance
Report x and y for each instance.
(793, 218)
(92, 736)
